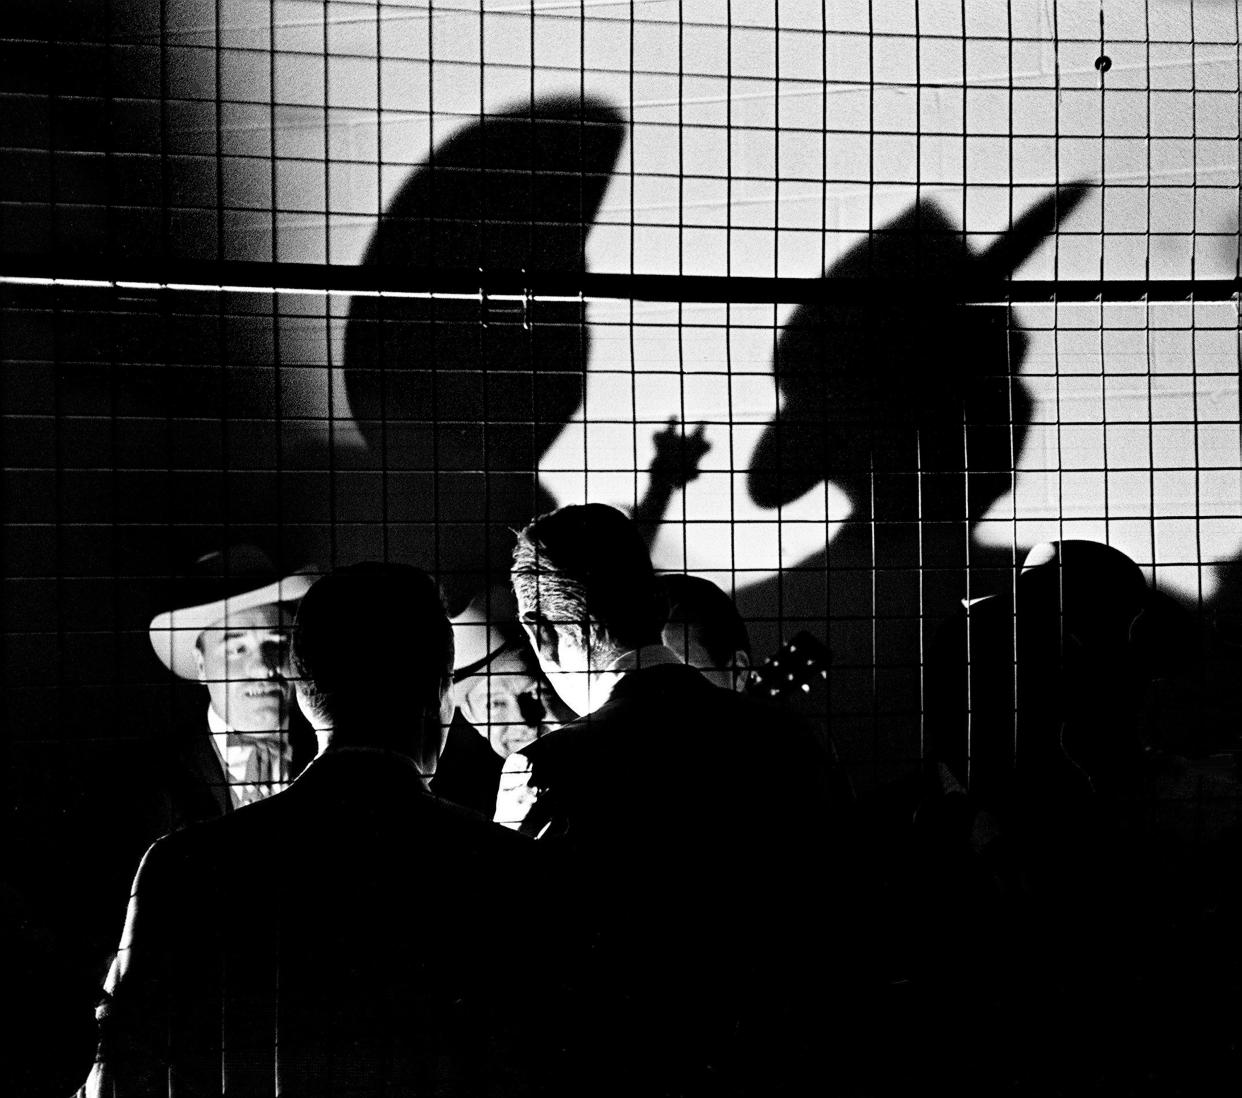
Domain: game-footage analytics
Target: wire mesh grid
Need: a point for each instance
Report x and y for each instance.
(525, 249)
(852, 305)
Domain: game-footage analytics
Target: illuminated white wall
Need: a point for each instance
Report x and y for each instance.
(757, 151)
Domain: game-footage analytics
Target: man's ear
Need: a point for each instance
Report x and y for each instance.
(303, 704)
(741, 671)
(200, 664)
(448, 708)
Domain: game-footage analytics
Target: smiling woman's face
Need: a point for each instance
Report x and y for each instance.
(244, 663)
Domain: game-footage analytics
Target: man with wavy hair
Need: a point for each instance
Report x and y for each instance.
(690, 871)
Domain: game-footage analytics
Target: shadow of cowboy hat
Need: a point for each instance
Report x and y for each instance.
(515, 192)
(217, 586)
(860, 377)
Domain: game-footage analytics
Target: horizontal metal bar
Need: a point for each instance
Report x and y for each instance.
(314, 278)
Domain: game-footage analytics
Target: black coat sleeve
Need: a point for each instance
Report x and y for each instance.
(133, 1052)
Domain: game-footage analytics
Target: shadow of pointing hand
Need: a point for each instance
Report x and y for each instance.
(677, 454)
(676, 464)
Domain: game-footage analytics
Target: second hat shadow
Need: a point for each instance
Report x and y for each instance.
(913, 405)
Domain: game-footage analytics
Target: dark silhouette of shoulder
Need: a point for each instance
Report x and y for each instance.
(469, 770)
(688, 818)
(344, 922)
(670, 723)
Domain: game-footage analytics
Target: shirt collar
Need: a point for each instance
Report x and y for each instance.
(234, 751)
(636, 659)
(221, 728)
(218, 725)
(649, 655)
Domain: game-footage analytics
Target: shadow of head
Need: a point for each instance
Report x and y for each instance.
(898, 377)
(472, 385)
(1058, 676)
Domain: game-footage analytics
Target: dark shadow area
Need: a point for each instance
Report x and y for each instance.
(472, 393)
(137, 433)
(1214, 694)
(1086, 905)
(1035, 702)
(109, 134)
(50, 1040)
(915, 409)
(138, 424)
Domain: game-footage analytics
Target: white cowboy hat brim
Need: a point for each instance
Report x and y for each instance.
(476, 632)
(174, 633)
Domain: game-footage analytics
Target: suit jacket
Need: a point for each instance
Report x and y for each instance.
(688, 818)
(194, 786)
(328, 940)
(469, 770)
(176, 778)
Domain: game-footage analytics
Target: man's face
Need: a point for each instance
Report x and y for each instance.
(565, 662)
(244, 662)
(507, 703)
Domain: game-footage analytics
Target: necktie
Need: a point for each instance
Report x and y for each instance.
(258, 766)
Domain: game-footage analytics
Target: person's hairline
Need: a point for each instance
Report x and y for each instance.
(306, 684)
(533, 557)
(727, 630)
(221, 625)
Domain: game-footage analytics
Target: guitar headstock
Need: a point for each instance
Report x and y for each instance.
(797, 666)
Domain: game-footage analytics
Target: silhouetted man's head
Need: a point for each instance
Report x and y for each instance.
(705, 629)
(586, 594)
(373, 654)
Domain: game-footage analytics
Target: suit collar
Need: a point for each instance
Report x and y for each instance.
(649, 655)
(659, 677)
(361, 760)
(198, 755)
(623, 666)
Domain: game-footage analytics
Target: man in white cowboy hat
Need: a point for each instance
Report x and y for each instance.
(233, 638)
(502, 701)
(497, 684)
